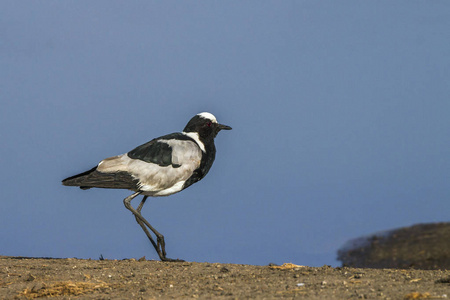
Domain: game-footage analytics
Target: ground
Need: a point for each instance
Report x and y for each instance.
(28, 278)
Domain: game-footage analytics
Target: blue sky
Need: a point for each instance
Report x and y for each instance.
(340, 115)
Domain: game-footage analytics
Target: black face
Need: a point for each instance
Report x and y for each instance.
(206, 128)
(210, 128)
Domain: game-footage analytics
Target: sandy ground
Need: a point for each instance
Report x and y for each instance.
(28, 278)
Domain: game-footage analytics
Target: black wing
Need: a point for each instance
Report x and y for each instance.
(157, 151)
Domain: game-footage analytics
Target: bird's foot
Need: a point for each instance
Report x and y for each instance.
(171, 259)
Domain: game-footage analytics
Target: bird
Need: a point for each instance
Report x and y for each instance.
(161, 167)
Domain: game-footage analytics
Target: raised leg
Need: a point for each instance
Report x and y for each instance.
(160, 245)
(142, 223)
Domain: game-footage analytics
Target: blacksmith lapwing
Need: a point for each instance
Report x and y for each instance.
(161, 167)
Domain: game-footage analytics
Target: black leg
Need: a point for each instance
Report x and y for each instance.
(160, 245)
(143, 225)
(141, 204)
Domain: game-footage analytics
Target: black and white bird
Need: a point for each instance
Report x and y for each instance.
(161, 167)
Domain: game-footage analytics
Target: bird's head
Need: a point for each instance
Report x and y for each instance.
(206, 125)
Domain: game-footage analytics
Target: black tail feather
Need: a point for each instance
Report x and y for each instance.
(94, 178)
(78, 179)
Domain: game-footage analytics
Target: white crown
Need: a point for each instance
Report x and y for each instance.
(207, 115)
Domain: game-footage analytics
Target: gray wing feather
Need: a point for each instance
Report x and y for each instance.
(186, 158)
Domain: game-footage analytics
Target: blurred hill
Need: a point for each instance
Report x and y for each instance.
(422, 246)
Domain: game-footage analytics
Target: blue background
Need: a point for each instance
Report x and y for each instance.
(340, 115)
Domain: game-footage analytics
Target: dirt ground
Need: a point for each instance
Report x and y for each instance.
(29, 278)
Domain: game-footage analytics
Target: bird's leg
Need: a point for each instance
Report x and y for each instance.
(160, 245)
(159, 237)
(141, 204)
(142, 222)
(143, 225)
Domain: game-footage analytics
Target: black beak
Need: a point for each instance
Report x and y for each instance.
(223, 127)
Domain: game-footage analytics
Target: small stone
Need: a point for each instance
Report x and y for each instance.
(38, 286)
(30, 277)
(443, 280)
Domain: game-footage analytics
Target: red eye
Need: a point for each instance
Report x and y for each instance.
(209, 124)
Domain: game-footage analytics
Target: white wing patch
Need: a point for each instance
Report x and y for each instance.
(155, 180)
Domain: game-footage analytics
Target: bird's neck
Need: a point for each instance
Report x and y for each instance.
(208, 156)
(207, 160)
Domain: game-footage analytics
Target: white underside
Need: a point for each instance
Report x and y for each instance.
(172, 190)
